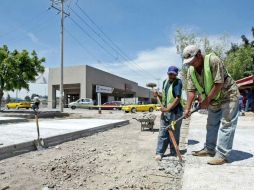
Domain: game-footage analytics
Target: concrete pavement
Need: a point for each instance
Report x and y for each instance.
(236, 175)
(23, 132)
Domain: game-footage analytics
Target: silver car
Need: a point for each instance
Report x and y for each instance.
(82, 103)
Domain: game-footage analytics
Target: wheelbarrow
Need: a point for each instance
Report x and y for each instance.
(146, 121)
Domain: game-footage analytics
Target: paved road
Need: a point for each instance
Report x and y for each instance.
(236, 175)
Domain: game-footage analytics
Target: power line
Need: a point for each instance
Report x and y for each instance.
(115, 46)
(98, 43)
(96, 33)
(107, 43)
(82, 46)
(91, 37)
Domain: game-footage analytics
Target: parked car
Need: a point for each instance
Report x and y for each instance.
(114, 105)
(17, 105)
(135, 108)
(158, 107)
(81, 103)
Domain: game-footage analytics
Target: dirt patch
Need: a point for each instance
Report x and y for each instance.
(122, 158)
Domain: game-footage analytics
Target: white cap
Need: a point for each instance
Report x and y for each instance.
(189, 53)
(36, 99)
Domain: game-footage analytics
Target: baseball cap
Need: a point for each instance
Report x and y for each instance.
(173, 70)
(189, 53)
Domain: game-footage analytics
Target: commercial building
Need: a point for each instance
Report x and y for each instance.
(81, 81)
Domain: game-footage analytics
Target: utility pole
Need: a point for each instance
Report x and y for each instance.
(158, 83)
(54, 5)
(62, 43)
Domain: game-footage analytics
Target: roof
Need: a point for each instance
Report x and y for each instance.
(245, 81)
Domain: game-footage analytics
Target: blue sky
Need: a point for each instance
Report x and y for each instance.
(143, 29)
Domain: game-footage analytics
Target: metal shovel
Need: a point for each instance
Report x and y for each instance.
(39, 143)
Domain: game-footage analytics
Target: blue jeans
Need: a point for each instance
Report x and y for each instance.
(163, 139)
(223, 135)
(240, 106)
(248, 103)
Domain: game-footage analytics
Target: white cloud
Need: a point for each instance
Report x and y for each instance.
(33, 37)
(148, 66)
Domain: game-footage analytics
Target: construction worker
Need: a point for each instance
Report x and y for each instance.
(171, 110)
(208, 76)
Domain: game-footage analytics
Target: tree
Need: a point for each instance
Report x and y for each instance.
(17, 69)
(27, 98)
(240, 58)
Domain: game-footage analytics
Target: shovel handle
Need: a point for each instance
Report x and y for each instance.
(37, 126)
(195, 110)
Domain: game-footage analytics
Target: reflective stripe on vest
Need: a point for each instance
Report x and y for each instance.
(170, 98)
(208, 79)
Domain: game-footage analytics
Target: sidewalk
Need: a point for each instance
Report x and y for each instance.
(238, 174)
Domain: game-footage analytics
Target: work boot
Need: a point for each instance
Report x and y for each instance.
(217, 160)
(172, 152)
(203, 152)
(158, 157)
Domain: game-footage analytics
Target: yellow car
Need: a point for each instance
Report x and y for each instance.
(158, 107)
(135, 108)
(17, 105)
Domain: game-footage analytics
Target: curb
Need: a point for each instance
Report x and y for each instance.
(13, 120)
(21, 148)
(30, 114)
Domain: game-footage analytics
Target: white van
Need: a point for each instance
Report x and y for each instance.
(81, 103)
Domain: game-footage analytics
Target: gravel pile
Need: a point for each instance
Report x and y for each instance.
(174, 169)
(149, 116)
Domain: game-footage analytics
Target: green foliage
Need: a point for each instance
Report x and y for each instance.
(240, 61)
(17, 69)
(240, 58)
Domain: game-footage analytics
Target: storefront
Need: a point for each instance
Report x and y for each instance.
(81, 82)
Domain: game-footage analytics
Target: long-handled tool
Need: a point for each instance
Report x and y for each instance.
(171, 134)
(39, 143)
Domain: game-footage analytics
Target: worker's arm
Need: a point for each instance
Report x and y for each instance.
(215, 90)
(190, 98)
(172, 105)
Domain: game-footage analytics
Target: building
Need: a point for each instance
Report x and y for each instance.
(81, 81)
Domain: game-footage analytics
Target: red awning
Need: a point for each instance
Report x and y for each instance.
(245, 81)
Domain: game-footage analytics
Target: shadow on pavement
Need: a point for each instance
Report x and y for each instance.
(192, 142)
(237, 155)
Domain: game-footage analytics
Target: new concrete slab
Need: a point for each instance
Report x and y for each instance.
(238, 174)
(23, 132)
